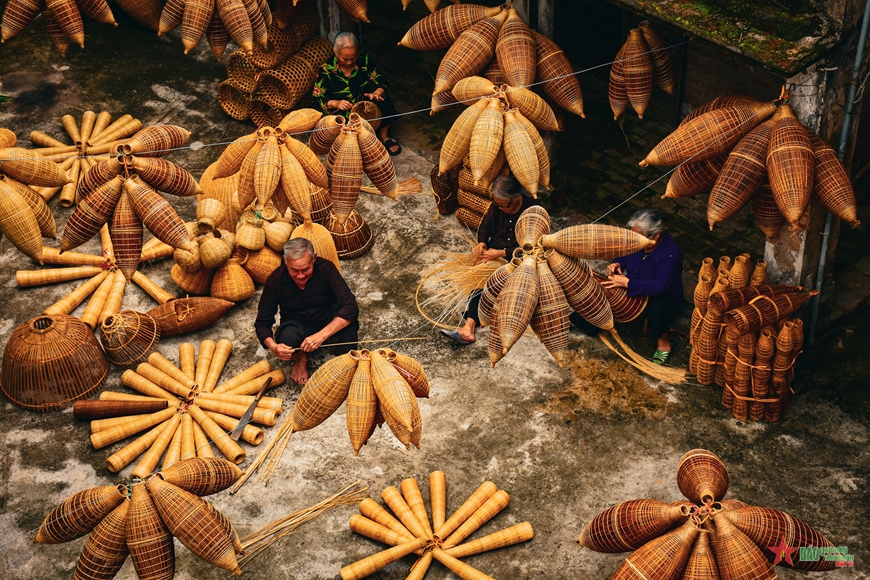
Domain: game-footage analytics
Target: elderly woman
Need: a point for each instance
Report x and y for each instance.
(350, 77)
(655, 272)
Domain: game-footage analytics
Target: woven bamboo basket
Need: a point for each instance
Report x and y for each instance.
(30, 168)
(215, 250)
(43, 215)
(741, 176)
(625, 308)
(148, 539)
(265, 115)
(701, 476)
(738, 276)
(701, 294)
(556, 73)
(90, 214)
(616, 86)
(521, 153)
(80, 513)
(832, 188)
(312, 166)
(362, 403)
(517, 302)
(492, 73)
(766, 212)
(267, 168)
(690, 179)
(764, 525)
(19, 224)
(202, 475)
(533, 108)
(543, 158)
(196, 283)
(469, 218)
(708, 135)
(466, 182)
(356, 9)
(259, 264)
(7, 137)
(583, 293)
(764, 311)
(157, 215)
(486, 139)
(515, 51)
(190, 262)
(377, 164)
(719, 103)
(250, 233)
(702, 563)
(165, 176)
(663, 66)
(467, 56)
(128, 336)
(210, 212)
(631, 524)
(106, 547)
(353, 238)
(736, 555)
(126, 231)
(473, 202)
(531, 225)
(790, 165)
(493, 287)
(156, 141)
(395, 398)
(368, 111)
(217, 35)
(185, 315)
(442, 28)
(277, 234)
(279, 45)
(346, 176)
(324, 392)
(469, 89)
(325, 132)
(50, 361)
(231, 282)
(663, 557)
(595, 241)
(458, 140)
(550, 319)
(637, 71)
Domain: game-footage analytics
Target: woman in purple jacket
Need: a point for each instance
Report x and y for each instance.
(655, 272)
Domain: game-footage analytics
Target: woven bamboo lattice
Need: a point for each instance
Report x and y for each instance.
(555, 72)
(765, 310)
(543, 158)
(467, 56)
(625, 308)
(663, 66)
(469, 218)
(51, 361)
(184, 315)
(637, 70)
(767, 215)
(231, 282)
(472, 88)
(690, 179)
(156, 511)
(241, 70)
(486, 139)
(616, 86)
(90, 410)
(234, 96)
(533, 108)
(790, 165)
(128, 336)
(466, 182)
(442, 28)
(583, 293)
(550, 319)
(442, 539)
(517, 302)
(708, 135)
(741, 176)
(727, 539)
(18, 223)
(330, 386)
(325, 132)
(458, 140)
(492, 288)
(515, 51)
(595, 241)
(284, 86)
(377, 164)
(352, 239)
(259, 264)
(493, 74)
(369, 111)
(832, 187)
(531, 225)
(719, 103)
(473, 202)
(521, 152)
(723, 301)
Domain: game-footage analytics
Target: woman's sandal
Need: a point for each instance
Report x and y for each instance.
(660, 357)
(389, 144)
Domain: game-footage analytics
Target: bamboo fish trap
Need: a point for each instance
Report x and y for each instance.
(148, 513)
(410, 531)
(700, 538)
(374, 383)
(442, 28)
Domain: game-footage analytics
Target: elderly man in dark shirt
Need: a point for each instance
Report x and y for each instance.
(316, 305)
(495, 239)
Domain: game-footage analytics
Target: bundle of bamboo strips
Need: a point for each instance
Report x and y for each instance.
(199, 410)
(93, 140)
(442, 538)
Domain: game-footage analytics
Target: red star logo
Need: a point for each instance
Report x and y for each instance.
(783, 552)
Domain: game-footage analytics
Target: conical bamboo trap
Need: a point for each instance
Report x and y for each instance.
(642, 61)
(200, 410)
(379, 386)
(745, 339)
(750, 154)
(410, 531)
(705, 537)
(141, 517)
(245, 21)
(63, 20)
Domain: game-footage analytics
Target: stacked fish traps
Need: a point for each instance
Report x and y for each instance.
(442, 538)
(432, 5)
(199, 409)
(705, 537)
(727, 147)
(548, 277)
(498, 43)
(264, 84)
(642, 62)
(379, 386)
(245, 22)
(62, 19)
(141, 517)
(744, 337)
(501, 127)
(93, 138)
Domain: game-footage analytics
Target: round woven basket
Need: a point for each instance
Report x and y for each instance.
(51, 361)
(368, 111)
(353, 239)
(240, 68)
(473, 201)
(259, 264)
(265, 115)
(469, 218)
(235, 98)
(128, 336)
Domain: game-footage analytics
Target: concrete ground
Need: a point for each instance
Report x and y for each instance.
(565, 443)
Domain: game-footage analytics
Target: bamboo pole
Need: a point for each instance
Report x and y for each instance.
(109, 436)
(137, 382)
(414, 499)
(253, 386)
(461, 569)
(68, 192)
(173, 452)
(72, 127)
(438, 498)
(507, 537)
(91, 315)
(71, 301)
(113, 396)
(151, 458)
(203, 447)
(124, 456)
(393, 498)
(71, 258)
(98, 425)
(477, 499)
(166, 366)
(375, 531)
(187, 359)
(246, 400)
(103, 120)
(495, 504)
(41, 139)
(218, 362)
(257, 369)
(31, 278)
(250, 434)
(231, 450)
(89, 118)
(370, 509)
(203, 361)
(113, 302)
(188, 444)
(152, 288)
(164, 381)
(377, 561)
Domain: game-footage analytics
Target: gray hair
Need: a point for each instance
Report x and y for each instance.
(506, 187)
(297, 248)
(648, 221)
(345, 39)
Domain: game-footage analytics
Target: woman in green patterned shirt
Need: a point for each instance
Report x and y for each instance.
(350, 77)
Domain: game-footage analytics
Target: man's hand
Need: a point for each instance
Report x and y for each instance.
(490, 255)
(313, 342)
(341, 105)
(282, 351)
(479, 249)
(374, 96)
(613, 268)
(616, 281)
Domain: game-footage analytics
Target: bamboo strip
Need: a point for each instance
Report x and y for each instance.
(72, 300)
(477, 499)
(231, 450)
(149, 461)
(109, 436)
(377, 561)
(257, 369)
(137, 382)
(253, 386)
(438, 498)
(250, 434)
(151, 288)
(166, 366)
(203, 361)
(173, 452)
(218, 361)
(412, 495)
(162, 380)
(188, 445)
(495, 504)
(124, 456)
(500, 539)
(203, 447)
(187, 359)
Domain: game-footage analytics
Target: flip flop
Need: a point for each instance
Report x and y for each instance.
(660, 357)
(454, 336)
(390, 142)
